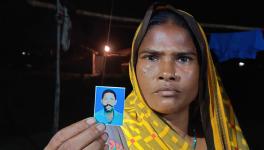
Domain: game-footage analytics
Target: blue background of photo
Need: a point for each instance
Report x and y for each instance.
(120, 96)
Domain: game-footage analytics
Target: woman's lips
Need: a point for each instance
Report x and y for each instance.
(167, 92)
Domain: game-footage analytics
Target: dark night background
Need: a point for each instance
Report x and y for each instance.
(27, 61)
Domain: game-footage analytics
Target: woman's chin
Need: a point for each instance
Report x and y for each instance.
(169, 107)
(165, 109)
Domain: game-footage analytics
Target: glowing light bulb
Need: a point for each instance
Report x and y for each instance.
(107, 48)
(241, 64)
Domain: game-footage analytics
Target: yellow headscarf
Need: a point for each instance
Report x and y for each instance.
(144, 129)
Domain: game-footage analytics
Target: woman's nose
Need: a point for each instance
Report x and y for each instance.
(167, 76)
(168, 72)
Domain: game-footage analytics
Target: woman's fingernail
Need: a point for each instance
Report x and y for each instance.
(105, 136)
(90, 121)
(100, 127)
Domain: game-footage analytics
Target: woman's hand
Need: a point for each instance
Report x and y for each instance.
(85, 135)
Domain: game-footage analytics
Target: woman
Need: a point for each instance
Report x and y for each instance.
(177, 100)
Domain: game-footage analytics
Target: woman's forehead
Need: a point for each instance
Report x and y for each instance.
(168, 36)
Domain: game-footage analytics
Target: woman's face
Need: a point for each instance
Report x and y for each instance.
(167, 68)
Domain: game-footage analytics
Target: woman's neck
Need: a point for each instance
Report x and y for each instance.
(178, 121)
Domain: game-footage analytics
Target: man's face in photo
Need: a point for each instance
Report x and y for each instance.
(109, 101)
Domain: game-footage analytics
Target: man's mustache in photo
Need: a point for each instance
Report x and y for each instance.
(106, 106)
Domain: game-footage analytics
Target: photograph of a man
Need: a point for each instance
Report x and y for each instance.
(108, 114)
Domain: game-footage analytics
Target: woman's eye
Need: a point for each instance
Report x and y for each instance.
(184, 59)
(151, 57)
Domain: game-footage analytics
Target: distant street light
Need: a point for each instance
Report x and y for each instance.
(241, 64)
(107, 48)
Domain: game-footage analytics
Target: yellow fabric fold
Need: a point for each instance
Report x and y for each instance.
(226, 131)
